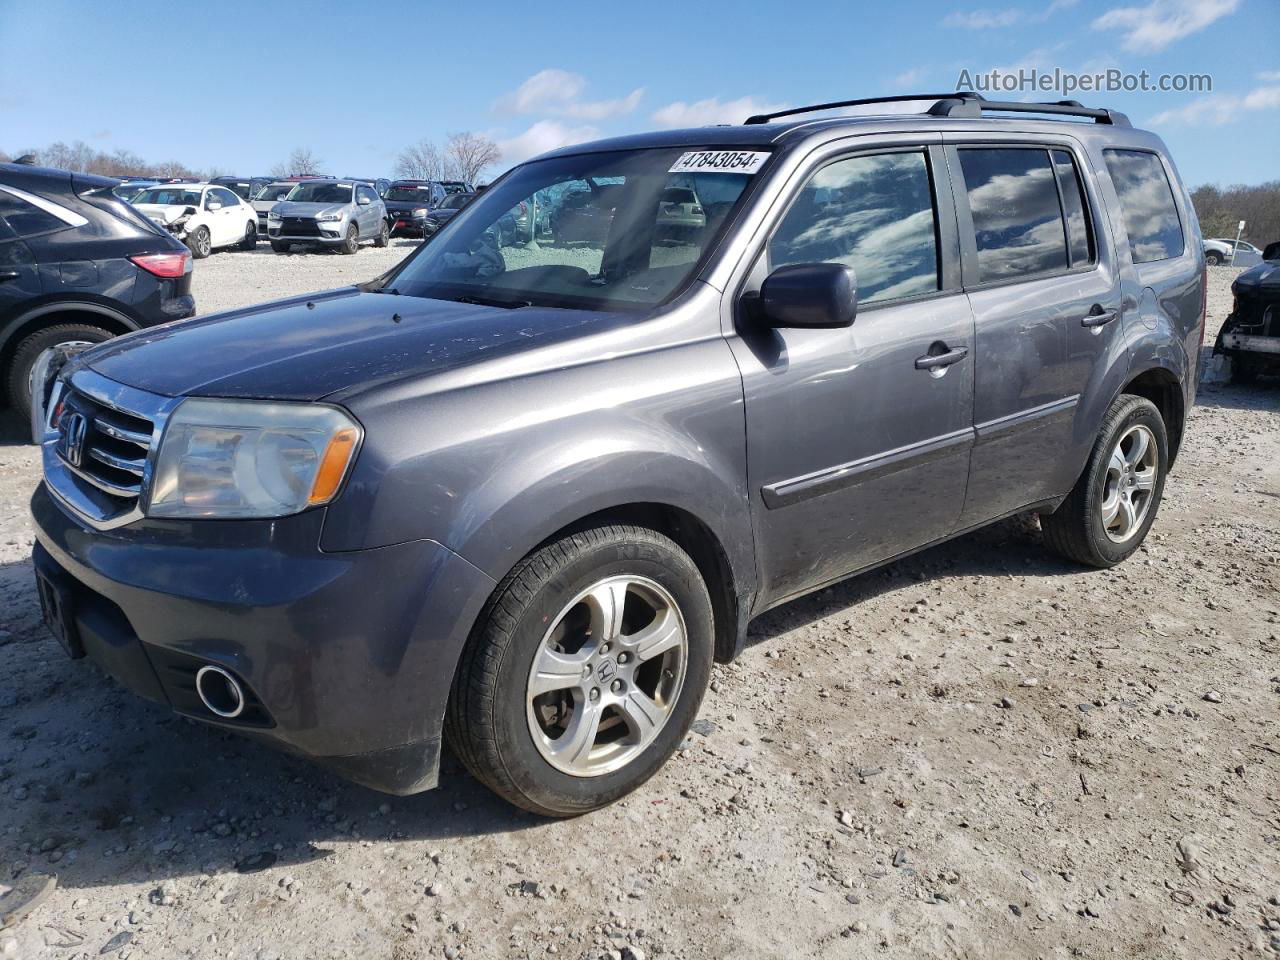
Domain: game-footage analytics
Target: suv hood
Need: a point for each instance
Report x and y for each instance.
(1261, 279)
(310, 347)
(295, 208)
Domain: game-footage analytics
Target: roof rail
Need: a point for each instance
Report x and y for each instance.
(961, 103)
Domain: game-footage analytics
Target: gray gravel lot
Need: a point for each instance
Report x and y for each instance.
(854, 787)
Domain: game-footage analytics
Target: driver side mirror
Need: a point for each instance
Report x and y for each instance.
(810, 295)
(363, 201)
(213, 205)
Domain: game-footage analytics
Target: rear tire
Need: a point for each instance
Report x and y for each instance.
(250, 241)
(1107, 515)
(548, 612)
(18, 385)
(352, 241)
(199, 243)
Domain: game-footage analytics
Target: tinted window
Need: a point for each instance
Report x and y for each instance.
(1146, 201)
(873, 213)
(313, 192)
(1016, 218)
(26, 219)
(1079, 237)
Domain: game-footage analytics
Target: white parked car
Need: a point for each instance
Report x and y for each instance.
(204, 216)
(1219, 251)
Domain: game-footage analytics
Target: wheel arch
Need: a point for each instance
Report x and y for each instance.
(61, 311)
(1162, 387)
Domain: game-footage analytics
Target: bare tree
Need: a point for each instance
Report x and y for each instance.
(422, 161)
(468, 154)
(301, 160)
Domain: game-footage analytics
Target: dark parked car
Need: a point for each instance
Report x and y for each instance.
(1251, 334)
(246, 188)
(448, 209)
(77, 265)
(380, 184)
(523, 497)
(408, 202)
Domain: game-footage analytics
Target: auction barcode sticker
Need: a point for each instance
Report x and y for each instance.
(720, 161)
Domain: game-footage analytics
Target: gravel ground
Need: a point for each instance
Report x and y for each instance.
(980, 751)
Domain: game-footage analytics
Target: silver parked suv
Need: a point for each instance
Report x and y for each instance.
(332, 213)
(521, 495)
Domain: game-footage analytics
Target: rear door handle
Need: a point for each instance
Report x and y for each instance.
(934, 361)
(9, 275)
(1096, 316)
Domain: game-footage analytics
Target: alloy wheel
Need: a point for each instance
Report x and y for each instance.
(607, 675)
(1129, 483)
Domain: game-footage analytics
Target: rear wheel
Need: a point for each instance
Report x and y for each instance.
(30, 349)
(200, 243)
(1107, 515)
(250, 241)
(351, 243)
(584, 672)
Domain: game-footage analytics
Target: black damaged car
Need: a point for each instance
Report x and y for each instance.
(1251, 334)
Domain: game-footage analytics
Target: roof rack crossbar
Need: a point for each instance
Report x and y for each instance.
(962, 103)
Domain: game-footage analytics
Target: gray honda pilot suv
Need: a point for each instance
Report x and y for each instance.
(521, 495)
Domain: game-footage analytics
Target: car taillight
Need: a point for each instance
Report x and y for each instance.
(168, 265)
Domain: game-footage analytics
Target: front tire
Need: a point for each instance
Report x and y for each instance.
(279, 247)
(28, 352)
(250, 241)
(200, 243)
(384, 236)
(584, 671)
(1213, 258)
(1107, 515)
(351, 243)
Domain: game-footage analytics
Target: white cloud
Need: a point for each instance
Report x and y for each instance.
(909, 78)
(1268, 76)
(1161, 22)
(706, 113)
(559, 92)
(1222, 108)
(982, 19)
(543, 136)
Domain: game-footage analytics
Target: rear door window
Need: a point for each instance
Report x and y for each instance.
(1146, 204)
(26, 219)
(874, 213)
(1017, 219)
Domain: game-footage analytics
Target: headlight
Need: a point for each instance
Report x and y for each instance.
(248, 458)
(329, 217)
(420, 212)
(272, 215)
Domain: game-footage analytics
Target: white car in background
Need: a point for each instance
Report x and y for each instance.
(1218, 251)
(204, 216)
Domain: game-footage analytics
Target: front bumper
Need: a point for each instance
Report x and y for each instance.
(348, 658)
(409, 227)
(331, 232)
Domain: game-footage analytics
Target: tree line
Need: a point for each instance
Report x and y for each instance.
(1221, 209)
(463, 156)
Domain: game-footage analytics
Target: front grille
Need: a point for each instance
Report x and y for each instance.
(299, 227)
(96, 449)
(111, 451)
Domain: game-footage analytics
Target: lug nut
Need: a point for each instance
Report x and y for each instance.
(604, 648)
(586, 671)
(623, 658)
(594, 694)
(616, 686)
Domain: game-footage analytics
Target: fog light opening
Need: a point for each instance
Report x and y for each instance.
(220, 692)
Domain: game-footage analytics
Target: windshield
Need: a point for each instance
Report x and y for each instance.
(456, 201)
(169, 196)
(583, 231)
(321, 193)
(274, 191)
(409, 194)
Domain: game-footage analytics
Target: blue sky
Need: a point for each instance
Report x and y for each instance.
(237, 85)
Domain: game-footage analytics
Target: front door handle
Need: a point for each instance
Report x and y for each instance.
(1096, 316)
(935, 361)
(9, 275)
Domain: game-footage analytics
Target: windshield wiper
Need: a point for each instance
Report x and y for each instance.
(491, 302)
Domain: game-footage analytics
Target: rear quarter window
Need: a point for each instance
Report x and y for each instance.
(1146, 205)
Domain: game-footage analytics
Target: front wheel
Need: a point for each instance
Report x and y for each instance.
(584, 671)
(200, 243)
(1107, 515)
(350, 243)
(250, 241)
(1213, 258)
(384, 236)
